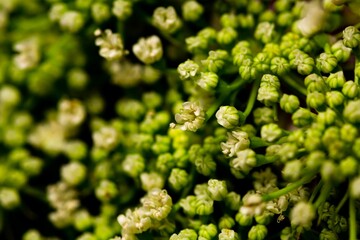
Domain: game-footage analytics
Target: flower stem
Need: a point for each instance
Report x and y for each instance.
(36, 193)
(342, 202)
(325, 191)
(352, 219)
(252, 98)
(289, 188)
(316, 190)
(262, 160)
(289, 80)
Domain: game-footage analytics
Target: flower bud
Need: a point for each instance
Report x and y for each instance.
(263, 116)
(302, 214)
(217, 189)
(257, 232)
(192, 10)
(334, 99)
(9, 198)
(226, 36)
(279, 66)
(207, 81)
(72, 21)
(73, 173)
(302, 117)
(336, 80)
(350, 89)
(208, 231)
(315, 83)
(352, 111)
(265, 32)
(228, 234)
(188, 69)
(340, 51)
(326, 62)
(355, 188)
(228, 116)
(100, 12)
(178, 178)
(316, 100)
(243, 219)
(166, 19)
(106, 191)
(292, 170)
(271, 132)
(349, 166)
(148, 50)
(122, 9)
(351, 37)
(133, 165)
(289, 103)
(226, 222)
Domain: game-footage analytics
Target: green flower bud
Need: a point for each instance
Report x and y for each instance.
(267, 16)
(341, 52)
(148, 50)
(268, 95)
(244, 161)
(32, 234)
(351, 37)
(302, 117)
(313, 139)
(233, 200)
(178, 178)
(302, 62)
(192, 10)
(263, 116)
(243, 219)
(326, 234)
(188, 234)
(9, 198)
(215, 60)
(282, 5)
(326, 62)
(226, 35)
(349, 166)
(352, 111)
(262, 62)
(302, 214)
(265, 32)
(188, 69)
(336, 80)
(82, 220)
(287, 151)
(285, 19)
(204, 205)
(122, 9)
(217, 189)
(133, 165)
(205, 164)
(106, 191)
(57, 10)
(289, 103)
(100, 12)
(72, 21)
(348, 133)
(271, 132)
(166, 19)
(315, 83)
(237, 140)
(328, 117)
(330, 135)
(257, 232)
(292, 170)
(279, 66)
(73, 173)
(334, 99)
(355, 188)
(208, 231)
(229, 20)
(264, 218)
(130, 108)
(331, 172)
(287, 234)
(228, 234)
(88, 236)
(226, 222)
(246, 20)
(151, 181)
(350, 89)
(316, 100)
(208, 33)
(106, 138)
(315, 159)
(191, 116)
(165, 162)
(247, 70)
(228, 116)
(9, 96)
(207, 81)
(32, 166)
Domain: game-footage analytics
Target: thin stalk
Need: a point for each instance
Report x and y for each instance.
(316, 190)
(252, 98)
(342, 202)
(289, 188)
(325, 191)
(262, 160)
(352, 219)
(36, 193)
(289, 80)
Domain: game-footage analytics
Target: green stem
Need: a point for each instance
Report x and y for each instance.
(342, 202)
(325, 191)
(262, 160)
(35, 193)
(289, 188)
(225, 92)
(316, 190)
(352, 219)
(256, 142)
(252, 98)
(1, 219)
(289, 80)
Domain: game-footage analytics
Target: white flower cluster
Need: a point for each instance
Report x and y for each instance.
(156, 205)
(111, 45)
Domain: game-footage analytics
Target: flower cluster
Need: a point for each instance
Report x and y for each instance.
(126, 120)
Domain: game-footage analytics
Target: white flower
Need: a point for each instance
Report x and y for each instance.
(111, 45)
(237, 140)
(191, 117)
(302, 214)
(28, 53)
(106, 137)
(71, 112)
(166, 19)
(148, 50)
